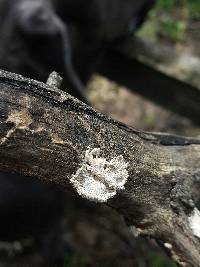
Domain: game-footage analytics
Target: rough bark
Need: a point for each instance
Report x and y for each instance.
(46, 133)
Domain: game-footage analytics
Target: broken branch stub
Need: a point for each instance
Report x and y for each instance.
(147, 177)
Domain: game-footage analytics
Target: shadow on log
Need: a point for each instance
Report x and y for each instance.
(147, 177)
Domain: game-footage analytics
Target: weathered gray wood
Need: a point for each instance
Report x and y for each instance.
(46, 133)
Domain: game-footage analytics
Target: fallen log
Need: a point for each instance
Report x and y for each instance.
(173, 94)
(147, 177)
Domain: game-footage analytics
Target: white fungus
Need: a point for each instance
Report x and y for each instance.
(194, 222)
(99, 179)
(168, 245)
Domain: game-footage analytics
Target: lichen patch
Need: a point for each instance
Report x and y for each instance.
(194, 222)
(57, 140)
(99, 179)
(21, 120)
(63, 97)
(168, 245)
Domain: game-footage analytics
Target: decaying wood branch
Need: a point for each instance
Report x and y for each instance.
(147, 177)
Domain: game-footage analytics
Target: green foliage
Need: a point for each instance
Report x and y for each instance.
(169, 19)
(149, 30)
(149, 120)
(165, 4)
(194, 8)
(157, 260)
(154, 258)
(74, 261)
(173, 29)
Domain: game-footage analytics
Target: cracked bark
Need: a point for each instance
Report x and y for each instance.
(45, 133)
